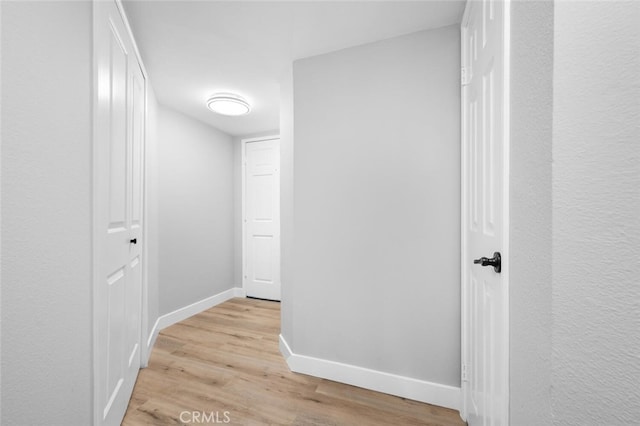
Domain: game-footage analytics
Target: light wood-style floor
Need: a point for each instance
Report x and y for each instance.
(227, 359)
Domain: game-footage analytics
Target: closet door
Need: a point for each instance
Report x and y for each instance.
(262, 218)
(119, 147)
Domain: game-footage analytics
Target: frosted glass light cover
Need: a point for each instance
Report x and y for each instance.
(228, 104)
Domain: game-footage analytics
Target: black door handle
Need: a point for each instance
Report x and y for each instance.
(495, 261)
(133, 241)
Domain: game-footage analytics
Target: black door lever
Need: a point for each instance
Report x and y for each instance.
(495, 261)
(133, 241)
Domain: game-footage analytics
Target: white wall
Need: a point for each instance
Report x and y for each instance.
(153, 193)
(196, 213)
(46, 216)
(237, 202)
(286, 205)
(376, 270)
(0, 215)
(596, 214)
(530, 212)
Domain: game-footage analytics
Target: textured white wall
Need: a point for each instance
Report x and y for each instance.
(196, 214)
(530, 212)
(575, 213)
(596, 214)
(46, 213)
(376, 270)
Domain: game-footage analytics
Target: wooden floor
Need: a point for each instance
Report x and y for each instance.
(226, 361)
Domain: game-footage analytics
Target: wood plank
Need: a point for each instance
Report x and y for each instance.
(227, 359)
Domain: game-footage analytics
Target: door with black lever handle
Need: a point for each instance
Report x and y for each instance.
(495, 261)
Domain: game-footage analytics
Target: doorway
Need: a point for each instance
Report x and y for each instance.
(261, 217)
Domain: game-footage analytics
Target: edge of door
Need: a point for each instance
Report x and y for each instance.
(144, 312)
(94, 220)
(506, 223)
(243, 164)
(463, 218)
(506, 56)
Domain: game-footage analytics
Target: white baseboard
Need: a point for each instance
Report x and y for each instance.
(285, 350)
(181, 314)
(153, 335)
(406, 387)
(195, 308)
(148, 345)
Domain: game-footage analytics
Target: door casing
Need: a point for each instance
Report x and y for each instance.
(466, 257)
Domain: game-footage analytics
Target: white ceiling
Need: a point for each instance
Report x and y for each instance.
(192, 49)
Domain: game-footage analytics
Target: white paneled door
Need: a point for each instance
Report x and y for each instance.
(485, 293)
(261, 248)
(118, 186)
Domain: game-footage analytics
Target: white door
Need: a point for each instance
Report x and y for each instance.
(118, 150)
(485, 293)
(261, 248)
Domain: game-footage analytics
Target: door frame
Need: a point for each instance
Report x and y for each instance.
(95, 229)
(505, 250)
(243, 162)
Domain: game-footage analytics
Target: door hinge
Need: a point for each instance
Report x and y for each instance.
(464, 373)
(464, 78)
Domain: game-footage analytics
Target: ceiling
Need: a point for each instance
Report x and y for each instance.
(192, 49)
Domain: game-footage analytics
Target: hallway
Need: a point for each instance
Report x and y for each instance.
(451, 223)
(225, 362)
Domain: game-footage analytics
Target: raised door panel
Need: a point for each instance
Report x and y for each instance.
(132, 315)
(262, 186)
(116, 283)
(262, 259)
(118, 131)
(137, 145)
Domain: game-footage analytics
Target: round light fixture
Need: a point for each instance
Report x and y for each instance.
(228, 104)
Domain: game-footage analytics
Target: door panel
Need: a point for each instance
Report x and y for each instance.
(115, 322)
(138, 125)
(133, 319)
(118, 129)
(119, 148)
(262, 219)
(484, 290)
(263, 258)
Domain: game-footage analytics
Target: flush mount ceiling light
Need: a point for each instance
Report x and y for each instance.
(228, 104)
